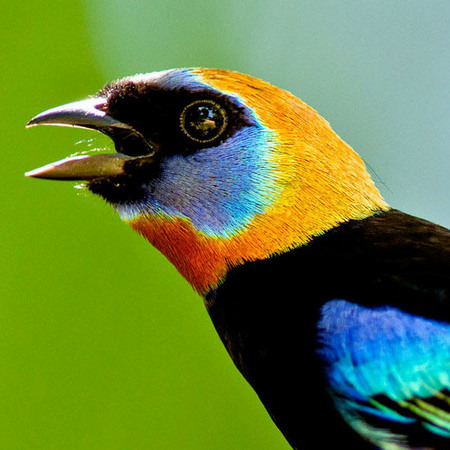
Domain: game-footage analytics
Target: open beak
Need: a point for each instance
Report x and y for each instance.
(89, 114)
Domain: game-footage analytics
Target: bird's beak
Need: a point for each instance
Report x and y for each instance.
(88, 114)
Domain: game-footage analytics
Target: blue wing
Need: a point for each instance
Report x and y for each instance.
(388, 373)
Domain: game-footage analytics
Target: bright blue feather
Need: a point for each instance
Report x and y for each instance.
(386, 367)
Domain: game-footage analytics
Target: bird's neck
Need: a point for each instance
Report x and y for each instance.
(204, 261)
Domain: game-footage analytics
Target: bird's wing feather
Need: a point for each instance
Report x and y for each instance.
(388, 372)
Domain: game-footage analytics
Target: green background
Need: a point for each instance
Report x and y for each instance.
(102, 344)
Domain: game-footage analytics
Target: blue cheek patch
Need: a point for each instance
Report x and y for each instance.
(219, 189)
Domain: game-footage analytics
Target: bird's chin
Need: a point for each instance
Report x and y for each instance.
(118, 190)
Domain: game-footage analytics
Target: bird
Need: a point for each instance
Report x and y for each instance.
(333, 305)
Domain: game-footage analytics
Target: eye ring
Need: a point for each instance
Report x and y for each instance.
(203, 121)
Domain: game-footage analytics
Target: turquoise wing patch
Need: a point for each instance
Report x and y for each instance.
(388, 373)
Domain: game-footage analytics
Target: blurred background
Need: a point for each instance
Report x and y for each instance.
(103, 345)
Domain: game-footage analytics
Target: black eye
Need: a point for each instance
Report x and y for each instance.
(203, 120)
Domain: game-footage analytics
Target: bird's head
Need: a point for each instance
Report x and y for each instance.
(215, 168)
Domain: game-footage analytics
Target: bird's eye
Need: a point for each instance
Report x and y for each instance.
(203, 120)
